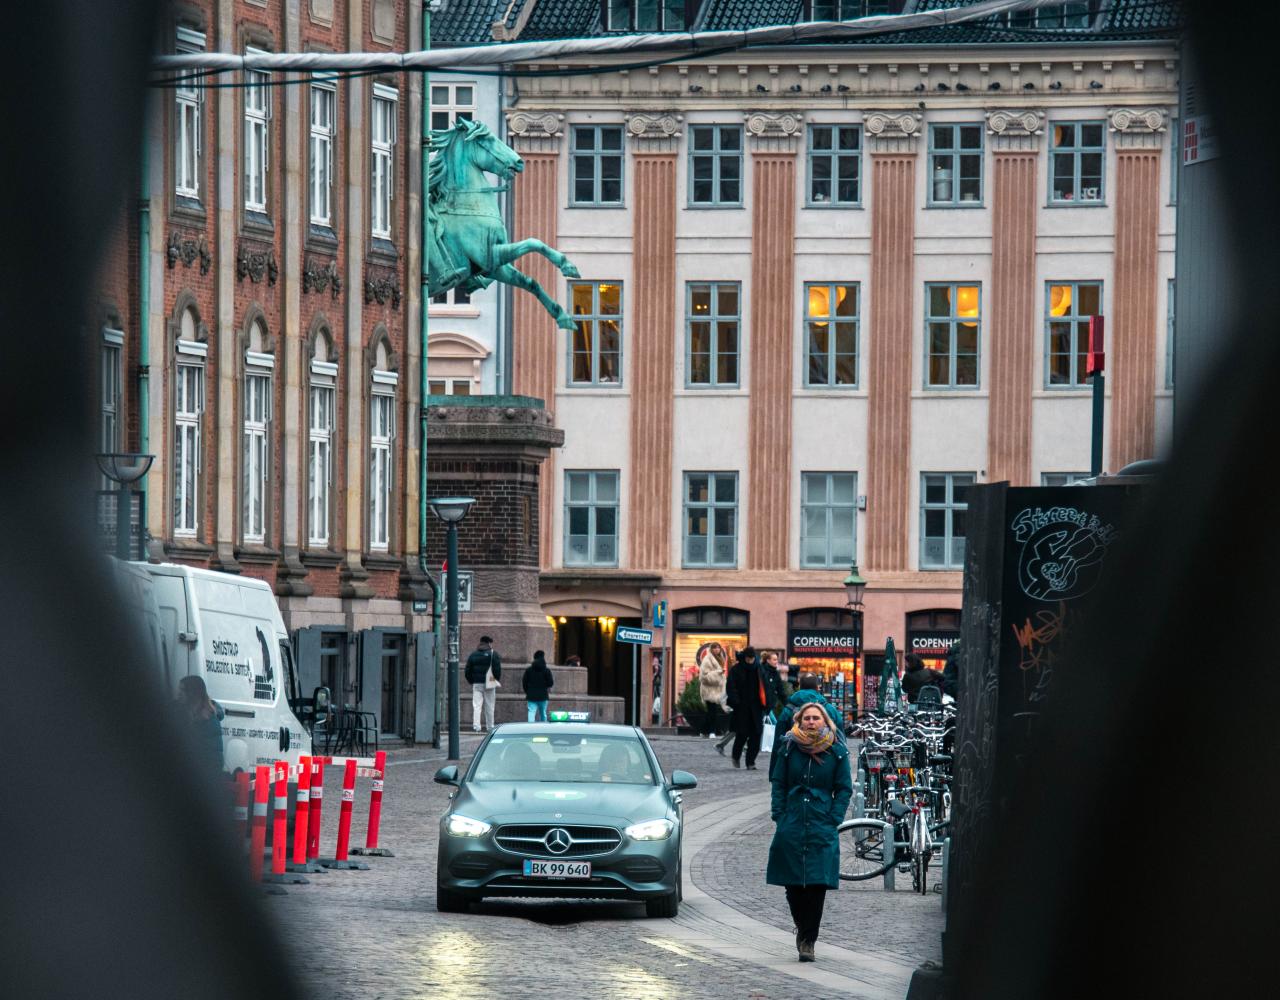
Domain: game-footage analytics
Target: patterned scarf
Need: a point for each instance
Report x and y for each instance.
(813, 743)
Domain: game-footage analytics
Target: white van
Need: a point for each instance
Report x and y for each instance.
(228, 630)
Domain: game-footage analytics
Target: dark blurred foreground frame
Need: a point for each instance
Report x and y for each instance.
(120, 878)
(1140, 861)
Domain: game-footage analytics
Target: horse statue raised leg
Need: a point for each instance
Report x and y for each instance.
(468, 246)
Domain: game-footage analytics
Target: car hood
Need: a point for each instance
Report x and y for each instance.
(554, 802)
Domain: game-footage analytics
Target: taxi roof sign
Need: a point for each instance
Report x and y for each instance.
(563, 716)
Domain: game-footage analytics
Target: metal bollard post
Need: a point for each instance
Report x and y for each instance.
(859, 796)
(946, 865)
(891, 845)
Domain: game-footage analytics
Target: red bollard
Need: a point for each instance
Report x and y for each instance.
(302, 819)
(280, 820)
(258, 837)
(317, 804)
(371, 847)
(339, 860)
(242, 805)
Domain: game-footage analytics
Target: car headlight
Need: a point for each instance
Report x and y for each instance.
(465, 826)
(655, 829)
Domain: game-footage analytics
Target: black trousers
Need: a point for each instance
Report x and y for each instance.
(806, 902)
(750, 729)
(713, 721)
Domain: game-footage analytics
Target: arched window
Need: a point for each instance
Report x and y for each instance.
(188, 412)
(323, 395)
(259, 367)
(382, 432)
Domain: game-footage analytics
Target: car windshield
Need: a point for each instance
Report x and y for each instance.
(564, 757)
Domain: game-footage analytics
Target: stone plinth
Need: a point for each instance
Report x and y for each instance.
(492, 448)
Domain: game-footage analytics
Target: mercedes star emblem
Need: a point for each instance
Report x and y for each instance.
(557, 840)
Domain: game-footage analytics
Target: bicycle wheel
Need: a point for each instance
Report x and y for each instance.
(863, 850)
(920, 872)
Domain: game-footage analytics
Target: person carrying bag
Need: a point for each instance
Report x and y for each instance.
(484, 674)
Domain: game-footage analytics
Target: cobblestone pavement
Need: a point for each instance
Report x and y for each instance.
(376, 935)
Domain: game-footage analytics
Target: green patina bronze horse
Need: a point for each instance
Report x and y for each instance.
(468, 247)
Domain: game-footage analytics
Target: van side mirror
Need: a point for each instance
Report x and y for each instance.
(682, 780)
(322, 699)
(447, 775)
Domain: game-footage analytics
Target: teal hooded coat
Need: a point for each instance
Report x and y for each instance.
(810, 797)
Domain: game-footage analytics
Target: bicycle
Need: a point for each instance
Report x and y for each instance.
(873, 846)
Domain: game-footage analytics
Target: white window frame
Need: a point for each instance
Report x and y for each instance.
(187, 123)
(593, 505)
(321, 408)
(949, 506)
(824, 508)
(257, 137)
(444, 114)
(188, 413)
(256, 455)
(382, 142)
(382, 433)
(324, 96)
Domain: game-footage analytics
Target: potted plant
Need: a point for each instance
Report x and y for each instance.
(690, 705)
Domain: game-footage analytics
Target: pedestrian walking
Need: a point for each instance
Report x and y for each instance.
(484, 674)
(537, 683)
(750, 692)
(808, 694)
(811, 786)
(203, 716)
(711, 681)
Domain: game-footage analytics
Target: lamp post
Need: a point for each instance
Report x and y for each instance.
(124, 469)
(854, 587)
(451, 510)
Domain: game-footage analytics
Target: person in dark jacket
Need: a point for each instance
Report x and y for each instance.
(537, 683)
(916, 676)
(751, 692)
(484, 674)
(204, 717)
(807, 695)
(951, 671)
(812, 786)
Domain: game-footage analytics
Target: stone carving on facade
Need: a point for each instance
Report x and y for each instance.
(316, 277)
(1138, 127)
(886, 125)
(660, 126)
(768, 125)
(254, 262)
(186, 248)
(547, 125)
(1015, 124)
(382, 287)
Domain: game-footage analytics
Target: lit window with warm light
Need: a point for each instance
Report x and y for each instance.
(1076, 160)
(953, 317)
(1068, 306)
(831, 335)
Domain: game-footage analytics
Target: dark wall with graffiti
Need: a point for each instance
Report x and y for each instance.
(1034, 556)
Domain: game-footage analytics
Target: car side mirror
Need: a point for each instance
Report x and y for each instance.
(681, 780)
(447, 775)
(321, 700)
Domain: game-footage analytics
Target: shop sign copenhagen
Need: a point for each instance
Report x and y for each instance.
(824, 642)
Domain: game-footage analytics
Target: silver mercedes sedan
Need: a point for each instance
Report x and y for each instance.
(569, 810)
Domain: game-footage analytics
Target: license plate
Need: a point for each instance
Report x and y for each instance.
(557, 869)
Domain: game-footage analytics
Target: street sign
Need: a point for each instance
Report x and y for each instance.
(1199, 140)
(660, 614)
(466, 582)
(639, 636)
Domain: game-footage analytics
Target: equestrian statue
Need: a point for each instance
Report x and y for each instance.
(467, 246)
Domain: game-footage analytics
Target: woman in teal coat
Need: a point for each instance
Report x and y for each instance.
(812, 786)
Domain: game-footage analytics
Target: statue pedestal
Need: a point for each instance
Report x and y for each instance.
(491, 448)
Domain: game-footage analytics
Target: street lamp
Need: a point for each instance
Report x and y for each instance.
(451, 510)
(124, 469)
(854, 585)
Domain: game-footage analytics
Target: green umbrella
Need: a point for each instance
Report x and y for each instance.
(890, 691)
